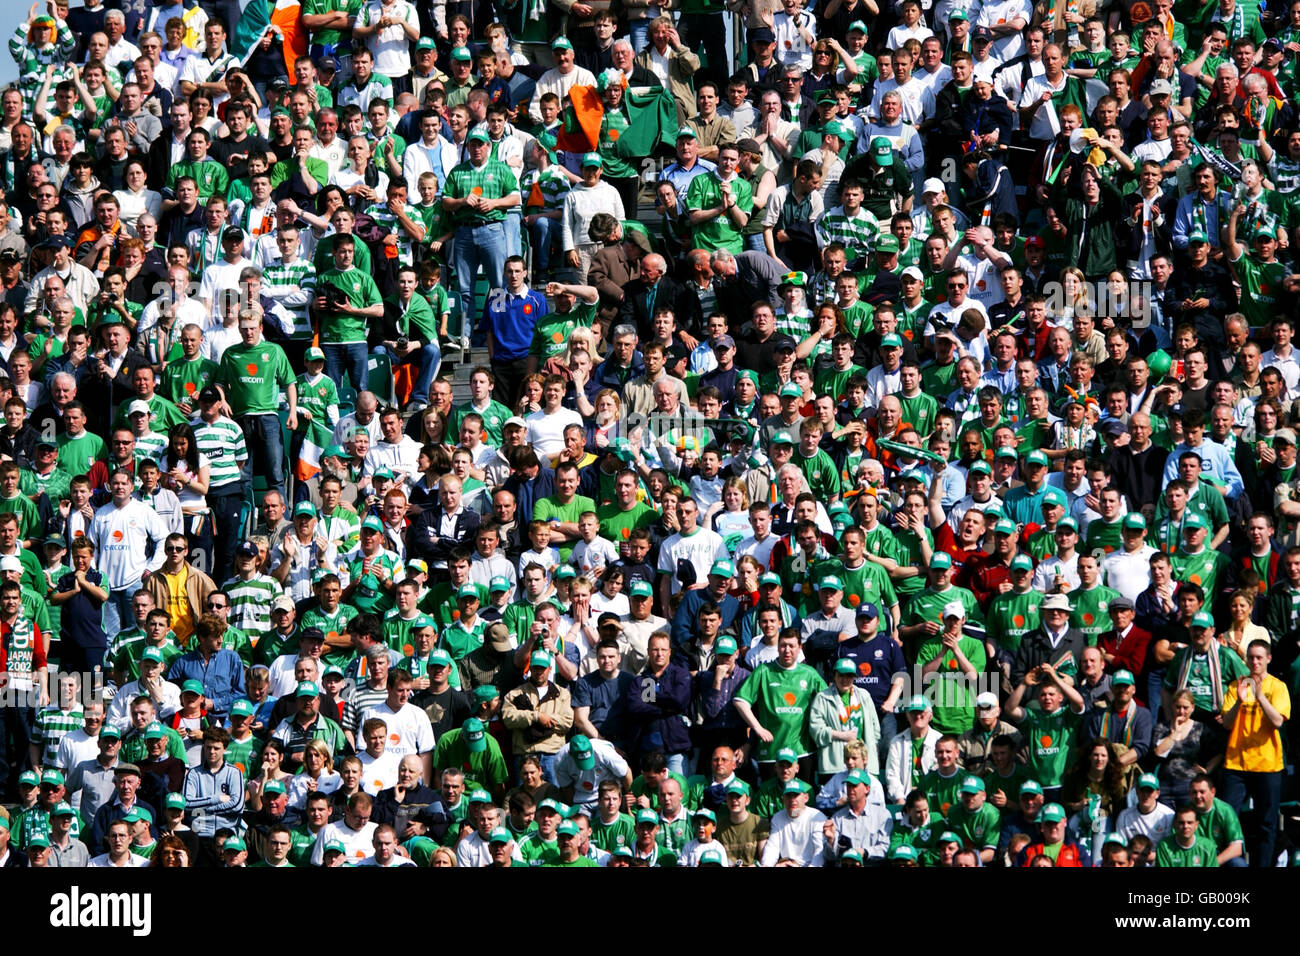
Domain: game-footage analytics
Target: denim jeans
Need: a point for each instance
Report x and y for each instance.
(117, 609)
(265, 450)
(1266, 790)
(514, 241)
(754, 243)
(427, 360)
(350, 358)
(484, 245)
(544, 233)
(639, 31)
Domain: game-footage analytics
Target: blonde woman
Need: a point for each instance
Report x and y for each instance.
(729, 515)
(444, 856)
(317, 775)
(1076, 297)
(608, 424)
(1242, 630)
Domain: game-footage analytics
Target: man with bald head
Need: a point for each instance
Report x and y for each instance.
(652, 289)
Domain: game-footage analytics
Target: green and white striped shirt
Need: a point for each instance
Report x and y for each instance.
(857, 233)
(223, 444)
(387, 220)
(52, 724)
(292, 285)
(250, 603)
(342, 529)
(150, 445)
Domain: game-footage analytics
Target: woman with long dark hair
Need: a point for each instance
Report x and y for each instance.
(185, 471)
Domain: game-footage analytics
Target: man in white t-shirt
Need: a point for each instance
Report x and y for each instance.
(354, 831)
(409, 730)
(686, 557)
(546, 425)
(582, 765)
(1148, 817)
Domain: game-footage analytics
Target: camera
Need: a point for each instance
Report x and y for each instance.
(402, 343)
(335, 298)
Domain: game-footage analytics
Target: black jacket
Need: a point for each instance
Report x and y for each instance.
(1035, 649)
(668, 292)
(428, 523)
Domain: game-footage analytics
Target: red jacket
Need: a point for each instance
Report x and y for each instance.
(1130, 653)
(1068, 856)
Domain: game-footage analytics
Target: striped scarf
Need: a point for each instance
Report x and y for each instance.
(1216, 683)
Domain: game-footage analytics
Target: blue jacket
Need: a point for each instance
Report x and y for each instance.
(528, 492)
(714, 705)
(689, 610)
(222, 677)
(106, 815)
(656, 710)
(214, 800)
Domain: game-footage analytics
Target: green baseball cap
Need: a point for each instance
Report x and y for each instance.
(1203, 619)
(1198, 236)
(136, 814)
(1054, 497)
(947, 836)
(1004, 526)
(592, 159)
(1194, 520)
(192, 687)
(782, 437)
(479, 795)
(1052, 813)
(462, 54)
(706, 813)
(887, 243)
(1148, 781)
(836, 128)
(858, 776)
(641, 589)
(830, 583)
(500, 835)
(722, 569)
(882, 151)
(234, 844)
(304, 508)
(1122, 678)
(152, 655)
(306, 688)
(581, 751)
(648, 817)
(1037, 458)
(372, 523)
(467, 590)
(176, 801)
(904, 851)
(859, 26)
(795, 787)
(426, 43)
(486, 692)
(724, 646)
(1031, 787)
(790, 390)
(981, 467)
(439, 657)
(845, 665)
(314, 354)
(686, 133)
(241, 708)
(787, 755)
(334, 846)
(916, 704)
(940, 561)
(155, 731)
(972, 784)
(1134, 521)
(891, 340)
(64, 809)
(540, 659)
(738, 786)
(1022, 562)
(1067, 524)
(473, 734)
(564, 572)
(499, 583)
(561, 43)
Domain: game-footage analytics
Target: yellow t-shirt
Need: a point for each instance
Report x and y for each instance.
(178, 604)
(1254, 744)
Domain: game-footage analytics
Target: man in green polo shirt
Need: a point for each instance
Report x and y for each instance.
(720, 202)
(1186, 847)
(476, 196)
(472, 749)
(208, 174)
(346, 298)
(251, 376)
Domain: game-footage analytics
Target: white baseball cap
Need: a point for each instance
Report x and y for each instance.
(933, 185)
